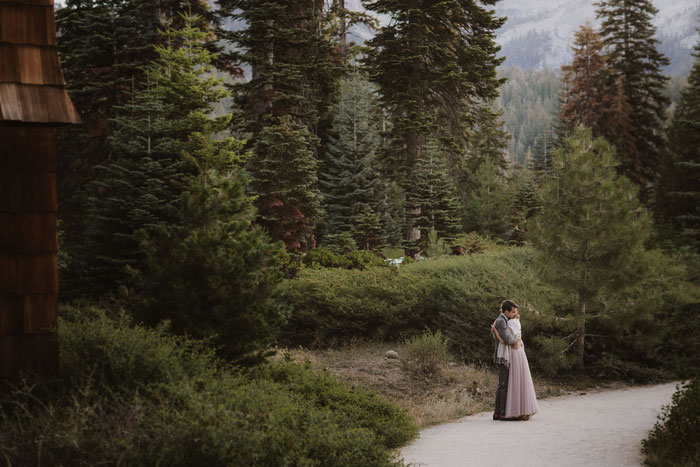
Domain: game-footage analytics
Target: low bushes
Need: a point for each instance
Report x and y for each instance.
(132, 396)
(460, 296)
(427, 353)
(356, 259)
(674, 439)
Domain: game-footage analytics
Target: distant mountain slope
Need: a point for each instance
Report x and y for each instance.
(539, 33)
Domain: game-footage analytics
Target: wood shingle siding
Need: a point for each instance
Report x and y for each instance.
(33, 99)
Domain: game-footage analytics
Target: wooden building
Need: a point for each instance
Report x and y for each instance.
(33, 100)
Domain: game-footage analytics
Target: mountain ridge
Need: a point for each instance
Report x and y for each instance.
(538, 34)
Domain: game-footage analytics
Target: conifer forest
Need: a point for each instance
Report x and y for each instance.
(253, 176)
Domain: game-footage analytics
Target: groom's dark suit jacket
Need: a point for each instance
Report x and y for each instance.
(502, 330)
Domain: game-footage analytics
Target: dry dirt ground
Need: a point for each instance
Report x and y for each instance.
(430, 398)
(592, 430)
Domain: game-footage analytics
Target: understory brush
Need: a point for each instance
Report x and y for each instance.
(636, 335)
(133, 396)
(458, 295)
(674, 439)
(427, 353)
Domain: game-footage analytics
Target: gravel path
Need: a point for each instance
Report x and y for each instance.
(597, 430)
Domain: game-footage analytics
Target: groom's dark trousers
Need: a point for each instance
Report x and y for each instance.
(509, 339)
(502, 390)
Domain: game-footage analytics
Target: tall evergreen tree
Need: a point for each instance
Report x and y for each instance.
(586, 98)
(285, 182)
(678, 202)
(488, 204)
(480, 174)
(592, 228)
(634, 59)
(543, 152)
(433, 202)
(367, 230)
(293, 80)
(142, 189)
(348, 178)
(433, 62)
(105, 47)
(526, 203)
(292, 67)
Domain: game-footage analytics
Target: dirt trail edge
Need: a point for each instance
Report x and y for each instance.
(596, 430)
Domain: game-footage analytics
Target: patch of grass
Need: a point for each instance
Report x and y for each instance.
(427, 353)
(429, 399)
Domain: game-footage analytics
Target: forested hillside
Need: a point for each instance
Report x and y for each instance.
(530, 102)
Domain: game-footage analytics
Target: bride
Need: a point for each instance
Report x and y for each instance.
(521, 401)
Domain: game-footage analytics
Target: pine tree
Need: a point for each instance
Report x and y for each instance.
(526, 204)
(294, 76)
(433, 199)
(284, 180)
(348, 177)
(293, 71)
(481, 173)
(592, 228)
(542, 152)
(633, 57)
(433, 62)
(678, 202)
(213, 275)
(586, 99)
(105, 47)
(368, 231)
(142, 189)
(488, 205)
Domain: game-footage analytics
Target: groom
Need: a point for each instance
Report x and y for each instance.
(508, 311)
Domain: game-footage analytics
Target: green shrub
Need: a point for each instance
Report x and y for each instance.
(392, 424)
(340, 244)
(609, 366)
(460, 295)
(131, 396)
(320, 257)
(216, 280)
(436, 246)
(427, 353)
(472, 243)
(112, 355)
(357, 259)
(363, 259)
(674, 439)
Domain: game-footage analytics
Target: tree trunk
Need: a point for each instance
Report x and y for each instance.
(581, 312)
(343, 32)
(413, 150)
(581, 331)
(262, 98)
(414, 141)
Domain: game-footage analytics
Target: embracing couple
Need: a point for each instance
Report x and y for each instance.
(515, 396)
